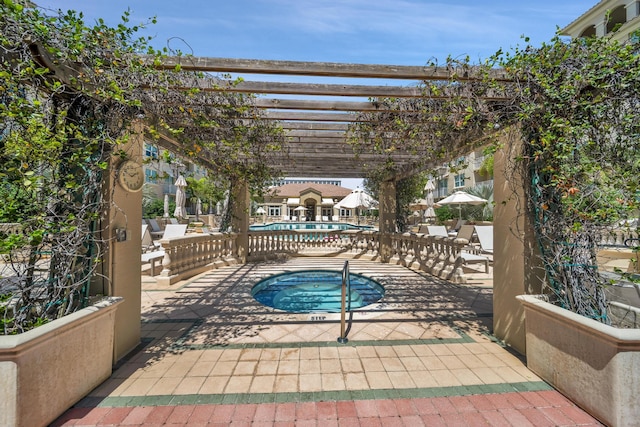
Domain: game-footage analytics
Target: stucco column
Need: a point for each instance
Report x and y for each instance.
(516, 268)
(122, 257)
(387, 211)
(240, 218)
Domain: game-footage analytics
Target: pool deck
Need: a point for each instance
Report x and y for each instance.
(423, 355)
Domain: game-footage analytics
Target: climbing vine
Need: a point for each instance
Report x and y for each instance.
(571, 111)
(70, 92)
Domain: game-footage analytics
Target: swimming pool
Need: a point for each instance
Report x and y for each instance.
(308, 226)
(315, 291)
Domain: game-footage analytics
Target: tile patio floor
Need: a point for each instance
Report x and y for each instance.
(423, 355)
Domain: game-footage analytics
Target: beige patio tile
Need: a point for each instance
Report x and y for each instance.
(165, 385)
(245, 368)
(332, 381)
(309, 353)
(385, 351)
(310, 382)
(311, 366)
(201, 369)
(267, 367)
(210, 355)
(330, 366)
(422, 350)
(347, 352)
(423, 379)
(230, 355)
(112, 387)
(452, 362)
(223, 368)
(401, 379)
(441, 350)
(270, 354)
(412, 363)
(445, 378)
(189, 385)
(366, 351)
(139, 387)
(509, 374)
(286, 384)
(356, 381)
(290, 354)
(466, 376)
(351, 365)
(472, 361)
(262, 384)
(458, 349)
(328, 353)
(214, 385)
(490, 359)
(250, 354)
(238, 384)
(289, 367)
(180, 369)
(488, 375)
(392, 364)
(378, 380)
(372, 364)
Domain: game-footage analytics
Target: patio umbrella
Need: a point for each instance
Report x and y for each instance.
(300, 209)
(429, 213)
(181, 197)
(461, 198)
(261, 211)
(356, 199)
(198, 209)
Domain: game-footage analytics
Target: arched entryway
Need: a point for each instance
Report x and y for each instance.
(310, 204)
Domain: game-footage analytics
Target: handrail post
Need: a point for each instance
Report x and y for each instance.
(342, 339)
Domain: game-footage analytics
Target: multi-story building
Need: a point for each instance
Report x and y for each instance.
(619, 19)
(160, 175)
(464, 172)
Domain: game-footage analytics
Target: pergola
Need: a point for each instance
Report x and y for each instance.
(316, 116)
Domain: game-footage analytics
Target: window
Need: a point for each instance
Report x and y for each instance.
(459, 180)
(151, 151)
(443, 187)
(150, 175)
(345, 212)
(274, 210)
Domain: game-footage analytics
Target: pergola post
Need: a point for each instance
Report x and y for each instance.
(121, 266)
(517, 269)
(387, 212)
(240, 218)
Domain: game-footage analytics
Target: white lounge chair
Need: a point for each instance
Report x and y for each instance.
(174, 230)
(437, 230)
(485, 237)
(147, 242)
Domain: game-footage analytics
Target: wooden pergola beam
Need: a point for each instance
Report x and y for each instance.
(327, 69)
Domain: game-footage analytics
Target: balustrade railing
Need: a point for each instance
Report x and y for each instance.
(194, 253)
(609, 236)
(437, 255)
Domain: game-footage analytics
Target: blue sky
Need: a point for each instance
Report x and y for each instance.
(399, 32)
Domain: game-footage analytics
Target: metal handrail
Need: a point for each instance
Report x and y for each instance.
(345, 305)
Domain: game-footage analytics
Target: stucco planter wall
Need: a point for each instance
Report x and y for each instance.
(46, 370)
(595, 365)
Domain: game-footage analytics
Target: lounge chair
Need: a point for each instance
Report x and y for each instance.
(147, 241)
(437, 230)
(485, 237)
(174, 230)
(156, 230)
(470, 258)
(466, 232)
(458, 224)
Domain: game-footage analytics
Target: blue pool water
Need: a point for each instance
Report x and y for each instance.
(308, 226)
(313, 291)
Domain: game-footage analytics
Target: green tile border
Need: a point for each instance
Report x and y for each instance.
(341, 395)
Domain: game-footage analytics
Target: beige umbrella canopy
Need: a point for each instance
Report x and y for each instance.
(462, 198)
